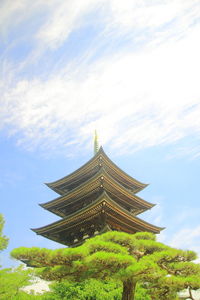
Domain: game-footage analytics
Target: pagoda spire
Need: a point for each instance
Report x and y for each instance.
(96, 142)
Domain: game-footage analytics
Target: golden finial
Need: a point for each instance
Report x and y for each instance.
(96, 142)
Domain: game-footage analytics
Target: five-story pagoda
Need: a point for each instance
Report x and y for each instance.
(96, 198)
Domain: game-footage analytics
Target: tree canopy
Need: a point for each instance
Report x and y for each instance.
(132, 259)
(12, 280)
(3, 238)
(89, 289)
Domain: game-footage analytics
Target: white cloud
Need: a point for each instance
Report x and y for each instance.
(65, 17)
(187, 239)
(161, 18)
(62, 17)
(144, 14)
(124, 17)
(134, 100)
(12, 13)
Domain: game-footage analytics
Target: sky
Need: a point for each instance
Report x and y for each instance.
(128, 69)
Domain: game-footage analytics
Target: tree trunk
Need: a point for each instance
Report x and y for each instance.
(128, 290)
(190, 292)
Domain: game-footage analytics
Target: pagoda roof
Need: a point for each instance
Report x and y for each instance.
(92, 188)
(104, 207)
(91, 167)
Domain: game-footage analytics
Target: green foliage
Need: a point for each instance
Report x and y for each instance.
(145, 236)
(12, 280)
(87, 290)
(24, 296)
(103, 264)
(142, 293)
(95, 245)
(135, 260)
(3, 238)
(38, 257)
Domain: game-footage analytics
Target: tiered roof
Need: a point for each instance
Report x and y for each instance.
(96, 198)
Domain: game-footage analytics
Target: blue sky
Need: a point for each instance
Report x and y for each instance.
(128, 69)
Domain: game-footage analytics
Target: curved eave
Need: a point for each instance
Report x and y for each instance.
(69, 195)
(132, 181)
(54, 184)
(104, 199)
(144, 205)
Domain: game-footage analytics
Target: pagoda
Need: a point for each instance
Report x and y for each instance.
(95, 198)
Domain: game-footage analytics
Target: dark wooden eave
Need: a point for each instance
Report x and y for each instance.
(104, 212)
(90, 190)
(69, 182)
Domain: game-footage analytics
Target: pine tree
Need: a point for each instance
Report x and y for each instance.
(133, 259)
